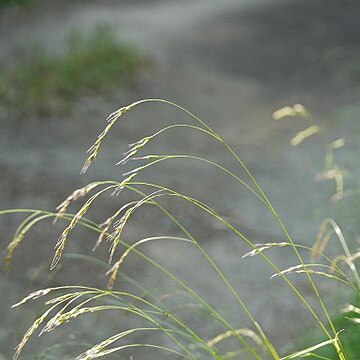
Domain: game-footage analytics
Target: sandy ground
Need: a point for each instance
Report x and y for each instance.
(233, 63)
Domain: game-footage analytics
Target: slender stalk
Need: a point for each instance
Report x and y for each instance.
(265, 197)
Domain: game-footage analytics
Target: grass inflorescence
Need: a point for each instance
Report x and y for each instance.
(66, 303)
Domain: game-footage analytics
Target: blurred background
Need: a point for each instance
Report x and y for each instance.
(65, 65)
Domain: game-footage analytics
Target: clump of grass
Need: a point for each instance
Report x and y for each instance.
(66, 303)
(92, 65)
(5, 3)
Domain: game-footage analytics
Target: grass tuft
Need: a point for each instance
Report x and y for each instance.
(92, 65)
(70, 302)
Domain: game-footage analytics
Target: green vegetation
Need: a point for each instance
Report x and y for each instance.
(92, 65)
(66, 303)
(4, 3)
(349, 337)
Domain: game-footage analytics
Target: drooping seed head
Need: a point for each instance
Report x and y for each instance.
(94, 149)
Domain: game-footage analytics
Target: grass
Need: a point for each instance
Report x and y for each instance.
(5, 3)
(350, 336)
(93, 65)
(64, 304)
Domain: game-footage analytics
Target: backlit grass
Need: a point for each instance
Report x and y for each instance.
(245, 340)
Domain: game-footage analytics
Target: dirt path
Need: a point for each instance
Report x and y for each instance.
(233, 63)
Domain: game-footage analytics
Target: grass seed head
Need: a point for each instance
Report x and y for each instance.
(34, 295)
(291, 111)
(113, 274)
(94, 149)
(75, 195)
(305, 134)
(29, 333)
(261, 247)
(134, 149)
(60, 245)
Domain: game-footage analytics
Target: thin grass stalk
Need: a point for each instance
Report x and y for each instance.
(17, 240)
(150, 198)
(262, 192)
(119, 348)
(96, 350)
(130, 280)
(273, 211)
(343, 243)
(212, 212)
(166, 331)
(61, 243)
(94, 227)
(143, 313)
(244, 304)
(163, 157)
(192, 335)
(216, 268)
(62, 317)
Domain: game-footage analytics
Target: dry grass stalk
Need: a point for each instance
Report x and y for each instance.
(77, 194)
(120, 224)
(111, 120)
(262, 247)
(244, 332)
(60, 245)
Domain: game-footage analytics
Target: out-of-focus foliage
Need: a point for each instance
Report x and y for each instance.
(4, 3)
(91, 65)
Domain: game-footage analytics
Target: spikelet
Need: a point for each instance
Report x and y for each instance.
(54, 321)
(113, 274)
(288, 270)
(109, 221)
(75, 195)
(133, 149)
(19, 236)
(97, 350)
(115, 236)
(243, 332)
(123, 184)
(94, 149)
(337, 144)
(304, 134)
(291, 111)
(261, 247)
(34, 295)
(120, 224)
(30, 332)
(61, 298)
(105, 228)
(303, 269)
(35, 325)
(12, 246)
(62, 318)
(60, 245)
(351, 308)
